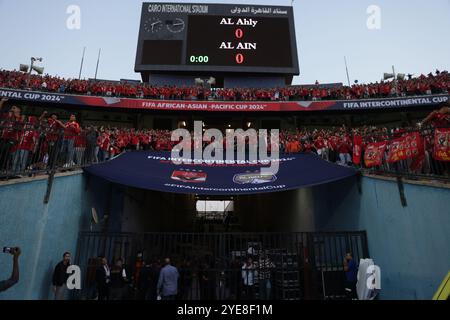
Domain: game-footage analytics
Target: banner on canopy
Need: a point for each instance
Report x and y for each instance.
(155, 171)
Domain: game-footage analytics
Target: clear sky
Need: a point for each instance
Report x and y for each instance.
(414, 36)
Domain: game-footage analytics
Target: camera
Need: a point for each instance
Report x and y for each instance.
(8, 250)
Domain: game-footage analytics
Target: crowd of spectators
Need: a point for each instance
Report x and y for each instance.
(198, 277)
(436, 83)
(31, 142)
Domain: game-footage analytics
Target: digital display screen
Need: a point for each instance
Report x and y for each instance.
(162, 52)
(220, 38)
(239, 41)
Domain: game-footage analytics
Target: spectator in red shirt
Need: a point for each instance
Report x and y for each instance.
(71, 130)
(10, 123)
(296, 146)
(332, 143)
(321, 150)
(54, 130)
(80, 147)
(145, 141)
(439, 118)
(104, 141)
(135, 141)
(308, 146)
(344, 149)
(26, 145)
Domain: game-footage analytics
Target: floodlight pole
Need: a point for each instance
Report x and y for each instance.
(346, 70)
(82, 61)
(98, 61)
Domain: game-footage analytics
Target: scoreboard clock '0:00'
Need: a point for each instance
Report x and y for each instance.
(199, 59)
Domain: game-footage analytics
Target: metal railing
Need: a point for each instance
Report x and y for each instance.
(27, 150)
(216, 266)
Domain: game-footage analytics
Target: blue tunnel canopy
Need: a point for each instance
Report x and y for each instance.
(155, 171)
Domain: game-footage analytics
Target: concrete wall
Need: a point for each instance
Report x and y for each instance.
(410, 244)
(43, 231)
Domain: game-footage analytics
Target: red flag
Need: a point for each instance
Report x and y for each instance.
(374, 153)
(404, 148)
(442, 144)
(419, 160)
(357, 147)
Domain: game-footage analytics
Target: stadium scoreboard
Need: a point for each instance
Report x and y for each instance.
(217, 38)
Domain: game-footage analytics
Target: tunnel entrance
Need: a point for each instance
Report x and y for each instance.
(152, 211)
(285, 266)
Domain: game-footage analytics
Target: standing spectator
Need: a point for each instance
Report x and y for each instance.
(90, 280)
(144, 283)
(103, 279)
(60, 277)
(351, 273)
(249, 274)
(53, 137)
(91, 145)
(320, 147)
(134, 141)
(235, 279)
(168, 281)
(71, 130)
(10, 122)
(265, 267)
(80, 147)
(344, 150)
(207, 280)
(6, 284)
(439, 118)
(103, 142)
(333, 143)
(186, 278)
(26, 144)
(153, 277)
(138, 266)
(118, 281)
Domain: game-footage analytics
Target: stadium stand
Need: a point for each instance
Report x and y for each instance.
(423, 85)
(29, 144)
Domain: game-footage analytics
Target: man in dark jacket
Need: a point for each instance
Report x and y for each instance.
(118, 284)
(91, 140)
(102, 277)
(60, 276)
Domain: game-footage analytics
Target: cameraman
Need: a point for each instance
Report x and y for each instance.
(6, 284)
